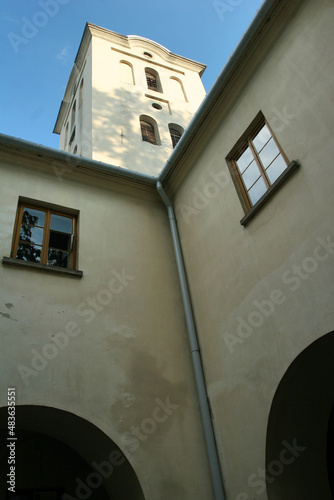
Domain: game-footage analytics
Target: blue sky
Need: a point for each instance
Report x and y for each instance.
(40, 38)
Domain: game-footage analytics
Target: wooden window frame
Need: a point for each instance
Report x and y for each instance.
(240, 147)
(48, 210)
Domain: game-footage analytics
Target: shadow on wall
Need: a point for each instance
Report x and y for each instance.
(117, 135)
(300, 446)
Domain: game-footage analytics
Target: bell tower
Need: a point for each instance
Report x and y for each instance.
(127, 101)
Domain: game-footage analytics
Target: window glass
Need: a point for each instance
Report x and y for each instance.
(269, 153)
(257, 190)
(251, 174)
(31, 253)
(31, 234)
(261, 138)
(58, 258)
(61, 223)
(33, 217)
(276, 169)
(245, 159)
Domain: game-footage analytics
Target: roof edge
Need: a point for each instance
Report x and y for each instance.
(76, 161)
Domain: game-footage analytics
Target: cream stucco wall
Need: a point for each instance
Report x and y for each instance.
(126, 354)
(231, 269)
(117, 106)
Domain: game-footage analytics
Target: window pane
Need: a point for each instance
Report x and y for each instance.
(61, 241)
(261, 138)
(244, 160)
(31, 234)
(276, 168)
(58, 258)
(251, 174)
(33, 217)
(31, 253)
(268, 153)
(257, 190)
(61, 223)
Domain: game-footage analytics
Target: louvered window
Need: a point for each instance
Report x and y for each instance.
(147, 132)
(151, 80)
(175, 136)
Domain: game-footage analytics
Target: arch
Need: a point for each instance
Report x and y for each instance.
(177, 89)
(81, 93)
(94, 462)
(299, 447)
(176, 132)
(73, 114)
(149, 130)
(126, 73)
(153, 80)
(66, 137)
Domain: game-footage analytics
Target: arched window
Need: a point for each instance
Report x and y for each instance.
(126, 73)
(175, 133)
(153, 80)
(177, 90)
(149, 131)
(81, 94)
(66, 137)
(73, 114)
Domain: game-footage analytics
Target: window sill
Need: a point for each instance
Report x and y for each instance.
(269, 193)
(41, 267)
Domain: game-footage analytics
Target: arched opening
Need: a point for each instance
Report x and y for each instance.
(153, 80)
(81, 93)
(62, 456)
(149, 130)
(299, 448)
(175, 133)
(73, 114)
(66, 137)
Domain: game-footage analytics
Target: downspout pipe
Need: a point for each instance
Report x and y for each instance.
(195, 353)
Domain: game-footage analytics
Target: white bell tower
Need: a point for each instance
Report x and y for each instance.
(127, 101)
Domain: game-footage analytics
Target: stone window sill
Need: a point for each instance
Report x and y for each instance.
(269, 193)
(41, 267)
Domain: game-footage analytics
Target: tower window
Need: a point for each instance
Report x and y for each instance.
(152, 80)
(73, 114)
(175, 133)
(149, 131)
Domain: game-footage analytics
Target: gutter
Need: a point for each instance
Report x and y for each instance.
(195, 353)
(75, 161)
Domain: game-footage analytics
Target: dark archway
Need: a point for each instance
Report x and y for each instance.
(299, 450)
(60, 455)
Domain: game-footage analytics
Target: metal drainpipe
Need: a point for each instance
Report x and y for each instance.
(199, 375)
